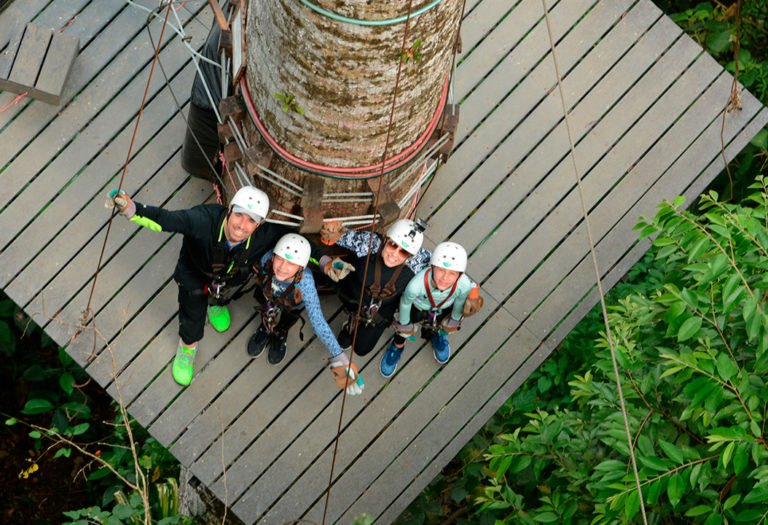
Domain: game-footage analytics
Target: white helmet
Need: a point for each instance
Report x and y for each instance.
(407, 234)
(450, 256)
(251, 201)
(294, 248)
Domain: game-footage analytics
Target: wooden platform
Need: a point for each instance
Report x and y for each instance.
(646, 105)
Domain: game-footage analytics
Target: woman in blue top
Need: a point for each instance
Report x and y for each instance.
(435, 297)
(284, 289)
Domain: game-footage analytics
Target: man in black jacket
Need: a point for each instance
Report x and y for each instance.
(220, 248)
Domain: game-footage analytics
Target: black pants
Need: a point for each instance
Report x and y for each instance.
(193, 306)
(367, 336)
(196, 161)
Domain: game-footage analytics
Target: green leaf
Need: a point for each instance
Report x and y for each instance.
(80, 429)
(66, 382)
(698, 248)
(610, 464)
(654, 463)
(758, 493)
(672, 452)
(718, 42)
(675, 489)
(458, 494)
(35, 434)
(689, 329)
(679, 201)
(632, 505)
(727, 453)
(11, 421)
(546, 517)
(730, 502)
(761, 139)
(37, 406)
(698, 510)
(714, 519)
(726, 367)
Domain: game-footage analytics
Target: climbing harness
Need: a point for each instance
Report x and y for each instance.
(594, 263)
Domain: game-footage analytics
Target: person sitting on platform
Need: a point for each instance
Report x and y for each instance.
(395, 259)
(437, 297)
(220, 247)
(284, 288)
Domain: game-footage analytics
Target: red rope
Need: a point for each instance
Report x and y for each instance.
(12, 102)
(397, 161)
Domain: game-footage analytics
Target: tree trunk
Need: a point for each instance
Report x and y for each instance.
(335, 83)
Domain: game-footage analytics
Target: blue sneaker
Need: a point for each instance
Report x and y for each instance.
(441, 349)
(390, 359)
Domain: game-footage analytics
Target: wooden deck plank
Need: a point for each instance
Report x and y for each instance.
(86, 26)
(29, 59)
(194, 432)
(641, 176)
(471, 156)
(411, 376)
(513, 33)
(618, 124)
(222, 370)
(128, 339)
(16, 16)
(478, 22)
(56, 68)
(399, 435)
(49, 142)
(210, 376)
(308, 392)
(78, 272)
(76, 206)
(577, 26)
(694, 160)
(589, 157)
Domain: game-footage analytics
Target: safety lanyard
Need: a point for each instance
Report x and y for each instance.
(429, 292)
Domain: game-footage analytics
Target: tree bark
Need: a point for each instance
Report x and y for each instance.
(342, 77)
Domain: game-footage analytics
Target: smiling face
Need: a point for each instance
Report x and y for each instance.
(444, 279)
(393, 255)
(239, 227)
(284, 269)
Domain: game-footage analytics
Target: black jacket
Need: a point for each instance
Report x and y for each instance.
(205, 253)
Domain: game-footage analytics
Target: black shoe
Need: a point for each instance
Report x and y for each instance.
(258, 342)
(345, 337)
(276, 349)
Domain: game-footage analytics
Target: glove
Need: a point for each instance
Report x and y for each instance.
(332, 232)
(474, 302)
(346, 375)
(449, 324)
(405, 329)
(122, 202)
(336, 269)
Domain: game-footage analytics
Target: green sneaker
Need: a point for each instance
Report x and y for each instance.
(219, 317)
(183, 364)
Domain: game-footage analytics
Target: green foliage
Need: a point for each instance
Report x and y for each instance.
(289, 103)
(412, 52)
(691, 336)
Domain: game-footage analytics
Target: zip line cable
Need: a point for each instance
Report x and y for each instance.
(88, 312)
(368, 256)
(594, 262)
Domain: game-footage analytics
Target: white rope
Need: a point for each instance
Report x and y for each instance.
(290, 215)
(594, 262)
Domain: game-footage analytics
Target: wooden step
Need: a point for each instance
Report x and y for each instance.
(37, 63)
